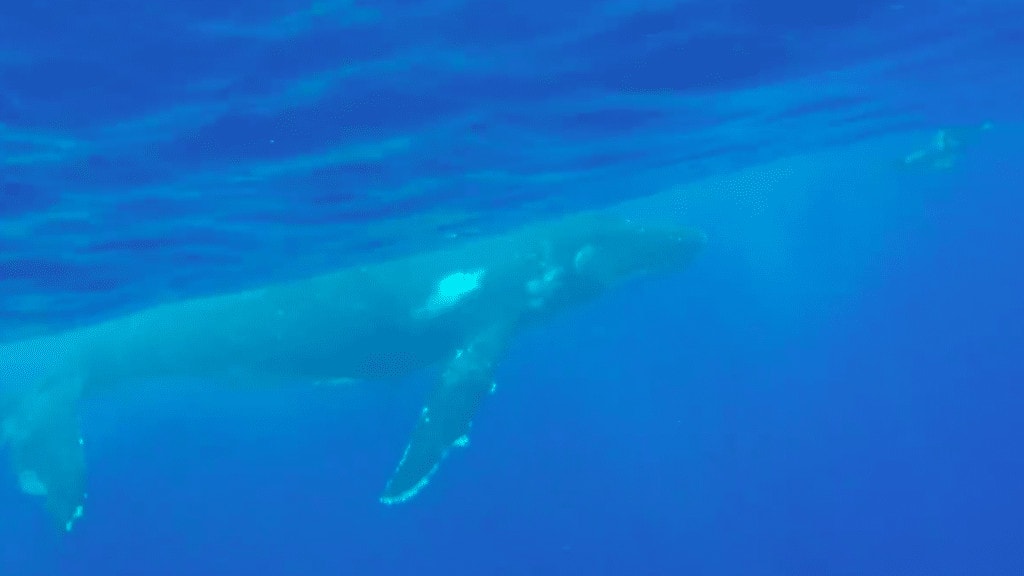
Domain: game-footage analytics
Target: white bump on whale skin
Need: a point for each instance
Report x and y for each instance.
(545, 282)
(79, 511)
(449, 291)
(541, 288)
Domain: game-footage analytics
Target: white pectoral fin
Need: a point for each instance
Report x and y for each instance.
(445, 419)
(47, 450)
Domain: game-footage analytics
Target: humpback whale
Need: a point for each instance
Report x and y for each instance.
(945, 147)
(455, 309)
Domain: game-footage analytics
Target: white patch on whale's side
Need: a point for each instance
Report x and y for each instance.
(449, 291)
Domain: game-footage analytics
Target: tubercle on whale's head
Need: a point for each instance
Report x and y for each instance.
(624, 248)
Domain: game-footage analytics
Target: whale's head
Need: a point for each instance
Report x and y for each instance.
(617, 250)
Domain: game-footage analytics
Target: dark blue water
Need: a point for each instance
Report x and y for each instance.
(832, 389)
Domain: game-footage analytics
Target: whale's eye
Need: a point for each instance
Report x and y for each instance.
(583, 256)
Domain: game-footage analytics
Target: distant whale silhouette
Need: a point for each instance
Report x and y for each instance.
(945, 147)
(454, 308)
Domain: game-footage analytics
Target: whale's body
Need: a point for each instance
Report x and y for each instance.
(455, 309)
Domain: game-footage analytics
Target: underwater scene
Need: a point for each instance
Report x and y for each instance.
(453, 287)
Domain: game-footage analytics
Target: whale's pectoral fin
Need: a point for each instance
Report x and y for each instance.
(46, 448)
(445, 419)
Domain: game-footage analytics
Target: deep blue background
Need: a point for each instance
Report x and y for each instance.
(832, 389)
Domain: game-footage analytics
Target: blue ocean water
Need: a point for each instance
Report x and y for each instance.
(833, 388)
